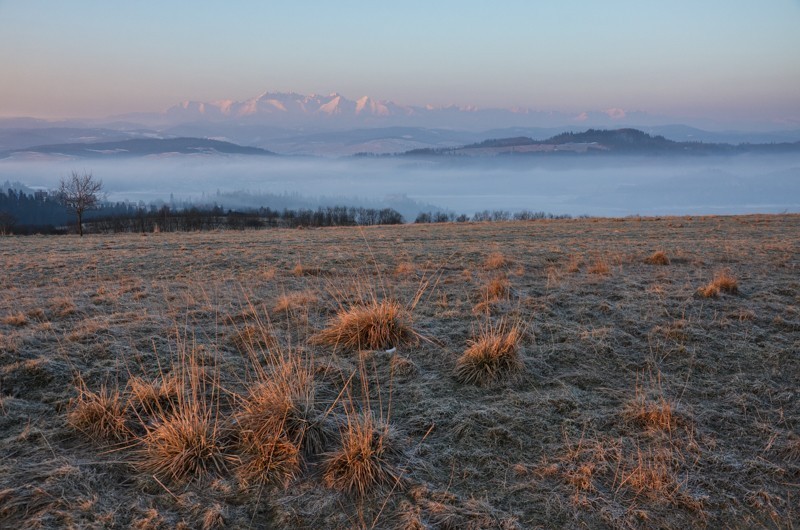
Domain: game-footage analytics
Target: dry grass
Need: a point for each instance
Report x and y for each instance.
(652, 413)
(154, 395)
(17, 319)
(374, 325)
(363, 461)
(495, 260)
(101, 415)
(498, 288)
(293, 301)
(184, 445)
(576, 441)
(600, 267)
(273, 461)
(282, 405)
(404, 268)
(658, 257)
(492, 356)
(723, 282)
(252, 338)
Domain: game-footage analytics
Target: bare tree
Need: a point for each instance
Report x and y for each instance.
(79, 193)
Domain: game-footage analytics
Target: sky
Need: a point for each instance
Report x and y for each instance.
(728, 61)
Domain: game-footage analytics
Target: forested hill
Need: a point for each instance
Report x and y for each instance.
(143, 147)
(600, 141)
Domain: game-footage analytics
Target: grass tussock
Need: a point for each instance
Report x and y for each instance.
(651, 413)
(184, 442)
(723, 282)
(372, 326)
(363, 461)
(271, 461)
(498, 288)
(17, 319)
(658, 257)
(492, 356)
(404, 268)
(495, 260)
(600, 267)
(293, 301)
(184, 445)
(152, 395)
(101, 415)
(250, 338)
(283, 405)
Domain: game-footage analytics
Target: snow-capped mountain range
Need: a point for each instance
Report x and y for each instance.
(335, 111)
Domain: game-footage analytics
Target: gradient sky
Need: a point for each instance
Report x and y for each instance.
(733, 61)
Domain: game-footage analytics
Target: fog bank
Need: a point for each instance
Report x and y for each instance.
(601, 186)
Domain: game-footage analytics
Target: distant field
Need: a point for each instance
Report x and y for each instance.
(564, 373)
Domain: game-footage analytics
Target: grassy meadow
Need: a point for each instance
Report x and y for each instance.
(597, 373)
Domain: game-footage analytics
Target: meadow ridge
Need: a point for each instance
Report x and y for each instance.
(619, 373)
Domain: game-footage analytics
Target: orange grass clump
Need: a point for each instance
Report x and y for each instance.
(184, 445)
(495, 260)
(100, 415)
(723, 282)
(497, 289)
(492, 356)
(658, 257)
(273, 460)
(656, 414)
(18, 320)
(282, 405)
(374, 325)
(362, 463)
(291, 301)
(600, 267)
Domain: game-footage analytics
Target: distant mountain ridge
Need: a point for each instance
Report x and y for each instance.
(142, 147)
(602, 141)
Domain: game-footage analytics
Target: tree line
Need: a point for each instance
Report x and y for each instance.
(45, 213)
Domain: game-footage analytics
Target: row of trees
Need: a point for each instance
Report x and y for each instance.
(165, 219)
(486, 215)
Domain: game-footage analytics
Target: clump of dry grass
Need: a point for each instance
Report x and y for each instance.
(63, 306)
(283, 404)
(291, 301)
(493, 355)
(100, 415)
(574, 264)
(184, 445)
(274, 460)
(600, 267)
(651, 413)
(184, 442)
(404, 268)
(363, 462)
(154, 395)
(374, 325)
(252, 337)
(498, 288)
(17, 319)
(723, 282)
(495, 260)
(658, 257)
